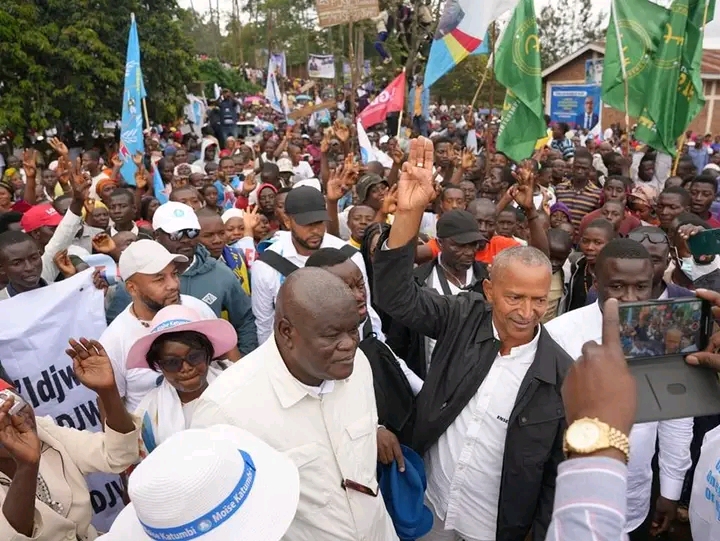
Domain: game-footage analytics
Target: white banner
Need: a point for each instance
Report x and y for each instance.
(321, 66)
(277, 64)
(34, 332)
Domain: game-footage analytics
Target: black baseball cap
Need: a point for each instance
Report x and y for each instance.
(306, 205)
(459, 226)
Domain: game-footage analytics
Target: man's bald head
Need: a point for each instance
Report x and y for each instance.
(316, 326)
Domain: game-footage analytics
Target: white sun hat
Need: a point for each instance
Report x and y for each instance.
(214, 484)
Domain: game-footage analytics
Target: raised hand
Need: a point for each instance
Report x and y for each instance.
(63, 170)
(18, 436)
(468, 160)
(525, 186)
(63, 262)
(91, 364)
(389, 204)
(249, 183)
(342, 132)
(29, 162)
(103, 243)
(325, 145)
(251, 220)
(58, 146)
(138, 159)
(336, 188)
(415, 184)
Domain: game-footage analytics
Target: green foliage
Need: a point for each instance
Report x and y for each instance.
(63, 61)
(212, 71)
(566, 26)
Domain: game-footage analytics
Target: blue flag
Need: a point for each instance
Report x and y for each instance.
(484, 47)
(159, 186)
(131, 131)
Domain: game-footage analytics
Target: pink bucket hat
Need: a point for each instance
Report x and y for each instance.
(176, 318)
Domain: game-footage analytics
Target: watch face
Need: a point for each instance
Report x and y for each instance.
(583, 435)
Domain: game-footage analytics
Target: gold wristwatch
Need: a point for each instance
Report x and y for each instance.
(587, 435)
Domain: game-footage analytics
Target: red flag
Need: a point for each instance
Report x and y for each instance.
(390, 100)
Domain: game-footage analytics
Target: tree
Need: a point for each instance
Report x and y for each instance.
(213, 71)
(61, 63)
(567, 26)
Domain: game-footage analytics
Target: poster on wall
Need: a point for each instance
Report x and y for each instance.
(594, 71)
(321, 66)
(577, 105)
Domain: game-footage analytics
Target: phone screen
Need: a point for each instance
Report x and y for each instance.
(661, 328)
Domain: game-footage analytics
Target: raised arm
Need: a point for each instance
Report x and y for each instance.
(396, 291)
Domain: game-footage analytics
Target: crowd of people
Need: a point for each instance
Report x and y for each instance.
(303, 346)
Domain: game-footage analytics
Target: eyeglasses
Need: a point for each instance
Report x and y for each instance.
(653, 238)
(174, 364)
(178, 235)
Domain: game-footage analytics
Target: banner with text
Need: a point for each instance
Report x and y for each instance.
(34, 332)
(332, 12)
(321, 66)
(578, 105)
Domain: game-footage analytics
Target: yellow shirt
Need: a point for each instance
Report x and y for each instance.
(352, 242)
(418, 100)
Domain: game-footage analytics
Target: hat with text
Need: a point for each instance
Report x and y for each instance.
(214, 484)
(306, 205)
(173, 217)
(146, 257)
(459, 226)
(40, 216)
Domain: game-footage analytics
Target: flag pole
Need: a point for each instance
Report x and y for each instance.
(626, 86)
(145, 114)
(681, 140)
(488, 137)
(400, 118)
(482, 82)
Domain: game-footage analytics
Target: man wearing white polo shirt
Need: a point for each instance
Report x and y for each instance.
(152, 281)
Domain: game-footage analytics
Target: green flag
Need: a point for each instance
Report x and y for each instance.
(690, 98)
(675, 77)
(640, 24)
(518, 68)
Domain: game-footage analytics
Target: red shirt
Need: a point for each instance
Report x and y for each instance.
(497, 244)
(628, 223)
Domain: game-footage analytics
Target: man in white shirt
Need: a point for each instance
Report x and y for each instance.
(308, 392)
(301, 169)
(307, 213)
(624, 271)
(152, 281)
(490, 418)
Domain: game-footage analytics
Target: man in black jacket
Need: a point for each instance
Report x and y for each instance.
(452, 271)
(490, 417)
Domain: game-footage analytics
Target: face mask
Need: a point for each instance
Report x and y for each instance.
(686, 266)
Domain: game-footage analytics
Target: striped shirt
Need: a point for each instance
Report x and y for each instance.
(565, 146)
(580, 202)
(590, 500)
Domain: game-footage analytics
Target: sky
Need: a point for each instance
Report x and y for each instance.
(712, 31)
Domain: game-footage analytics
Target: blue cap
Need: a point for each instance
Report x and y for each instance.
(404, 495)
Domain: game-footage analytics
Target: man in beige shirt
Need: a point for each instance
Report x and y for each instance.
(560, 246)
(308, 392)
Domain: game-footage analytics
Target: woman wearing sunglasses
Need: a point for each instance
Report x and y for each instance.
(181, 348)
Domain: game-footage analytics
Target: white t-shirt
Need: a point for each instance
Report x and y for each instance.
(302, 171)
(704, 510)
(120, 336)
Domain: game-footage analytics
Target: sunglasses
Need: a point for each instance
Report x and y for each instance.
(179, 235)
(174, 364)
(652, 238)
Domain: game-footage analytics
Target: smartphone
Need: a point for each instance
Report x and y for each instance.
(664, 327)
(705, 243)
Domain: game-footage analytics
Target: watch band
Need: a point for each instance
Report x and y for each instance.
(616, 440)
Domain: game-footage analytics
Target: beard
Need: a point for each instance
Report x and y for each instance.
(156, 306)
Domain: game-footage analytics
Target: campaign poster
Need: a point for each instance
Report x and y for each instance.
(577, 105)
(321, 66)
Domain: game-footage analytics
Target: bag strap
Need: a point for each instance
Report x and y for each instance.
(348, 250)
(278, 262)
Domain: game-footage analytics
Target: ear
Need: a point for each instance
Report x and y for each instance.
(488, 290)
(284, 332)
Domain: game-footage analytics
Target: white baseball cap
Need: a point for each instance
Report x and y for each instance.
(146, 257)
(172, 217)
(214, 484)
(285, 165)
